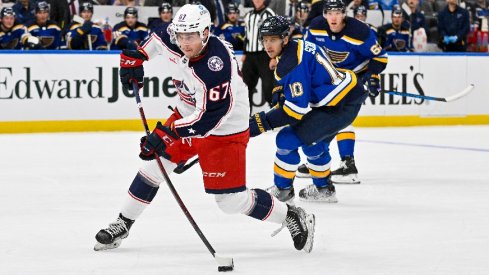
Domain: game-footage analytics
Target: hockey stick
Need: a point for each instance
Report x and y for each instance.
(182, 167)
(454, 97)
(224, 263)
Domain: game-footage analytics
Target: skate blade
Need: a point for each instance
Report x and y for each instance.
(348, 179)
(330, 199)
(100, 247)
(311, 224)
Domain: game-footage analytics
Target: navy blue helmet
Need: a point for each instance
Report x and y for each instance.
(131, 11)
(330, 5)
(42, 6)
(6, 12)
(165, 7)
(86, 6)
(275, 25)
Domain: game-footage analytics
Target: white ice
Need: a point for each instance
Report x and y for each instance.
(419, 209)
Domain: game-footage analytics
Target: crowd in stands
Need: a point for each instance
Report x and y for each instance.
(451, 25)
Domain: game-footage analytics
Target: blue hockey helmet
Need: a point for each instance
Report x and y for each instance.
(360, 10)
(42, 6)
(86, 6)
(132, 11)
(396, 10)
(330, 5)
(302, 6)
(232, 8)
(165, 7)
(6, 12)
(275, 25)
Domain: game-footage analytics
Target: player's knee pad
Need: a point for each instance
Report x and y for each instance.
(143, 189)
(315, 151)
(233, 203)
(151, 171)
(287, 140)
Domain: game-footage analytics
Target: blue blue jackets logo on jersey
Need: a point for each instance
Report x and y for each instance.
(215, 64)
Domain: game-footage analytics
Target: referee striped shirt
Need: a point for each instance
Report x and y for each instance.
(253, 20)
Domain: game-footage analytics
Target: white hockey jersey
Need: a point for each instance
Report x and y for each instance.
(213, 96)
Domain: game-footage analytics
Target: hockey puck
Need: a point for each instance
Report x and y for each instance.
(225, 268)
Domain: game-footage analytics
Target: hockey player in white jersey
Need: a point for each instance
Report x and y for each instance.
(210, 121)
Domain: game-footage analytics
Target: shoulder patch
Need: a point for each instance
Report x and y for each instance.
(215, 63)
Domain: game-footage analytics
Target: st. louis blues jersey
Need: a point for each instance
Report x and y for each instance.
(77, 40)
(213, 96)
(396, 39)
(354, 48)
(14, 38)
(308, 79)
(49, 34)
(128, 38)
(233, 34)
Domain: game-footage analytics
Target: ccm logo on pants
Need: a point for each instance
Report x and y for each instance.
(214, 175)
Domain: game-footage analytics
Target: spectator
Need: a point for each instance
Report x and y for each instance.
(257, 64)
(453, 27)
(128, 33)
(46, 31)
(24, 11)
(166, 15)
(232, 31)
(396, 36)
(85, 35)
(12, 35)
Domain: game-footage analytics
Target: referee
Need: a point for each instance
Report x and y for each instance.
(256, 63)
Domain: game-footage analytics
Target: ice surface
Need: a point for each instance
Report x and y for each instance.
(419, 209)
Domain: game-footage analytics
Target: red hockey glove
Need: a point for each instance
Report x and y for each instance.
(132, 68)
(157, 142)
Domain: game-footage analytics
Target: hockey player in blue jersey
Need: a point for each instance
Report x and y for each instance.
(166, 15)
(396, 36)
(318, 101)
(360, 13)
(210, 121)
(128, 33)
(47, 32)
(12, 36)
(350, 44)
(232, 31)
(86, 35)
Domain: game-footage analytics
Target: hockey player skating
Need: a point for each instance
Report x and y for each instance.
(211, 121)
(317, 102)
(351, 45)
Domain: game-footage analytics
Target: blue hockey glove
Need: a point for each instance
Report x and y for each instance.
(452, 39)
(373, 84)
(259, 124)
(278, 96)
(157, 142)
(132, 69)
(86, 27)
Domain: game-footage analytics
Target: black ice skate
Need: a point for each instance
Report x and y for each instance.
(301, 227)
(314, 194)
(346, 173)
(111, 237)
(302, 172)
(283, 195)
